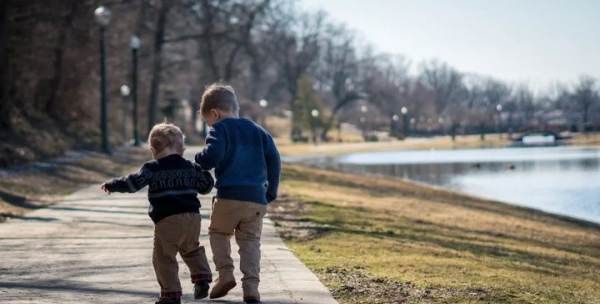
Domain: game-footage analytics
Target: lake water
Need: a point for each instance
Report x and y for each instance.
(561, 180)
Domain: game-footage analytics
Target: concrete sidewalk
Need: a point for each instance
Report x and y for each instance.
(95, 248)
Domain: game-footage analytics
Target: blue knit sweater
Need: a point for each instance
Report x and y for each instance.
(246, 161)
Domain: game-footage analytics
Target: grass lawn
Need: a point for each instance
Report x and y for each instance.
(37, 185)
(437, 142)
(384, 240)
(587, 139)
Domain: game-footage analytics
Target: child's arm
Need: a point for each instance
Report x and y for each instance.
(214, 150)
(205, 180)
(130, 183)
(273, 167)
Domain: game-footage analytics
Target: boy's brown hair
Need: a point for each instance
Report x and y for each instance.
(221, 97)
(165, 135)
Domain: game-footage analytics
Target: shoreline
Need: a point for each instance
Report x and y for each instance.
(306, 161)
(564, 217)
(396, 239)
(420, 143)
(568, 218)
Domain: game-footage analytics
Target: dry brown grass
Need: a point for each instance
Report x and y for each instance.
(588, 139)
(434, 245)
(438, 142)
(33, 186)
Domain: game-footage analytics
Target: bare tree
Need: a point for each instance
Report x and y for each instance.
(524, 106)
(159, 40)
(295, 46)
(585, 96)
(385, 83)
(447, 87)
(493, 93)
(338, 72)
(444, 81)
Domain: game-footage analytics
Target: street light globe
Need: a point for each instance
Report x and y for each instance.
(125, 90)
(499, 108)
(102, 15)
(404, 110)
(314, 113)
(363, 108)
(135, 42)
(263, 103)
(395, 117)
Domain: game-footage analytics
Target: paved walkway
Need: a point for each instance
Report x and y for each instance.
(94, 248)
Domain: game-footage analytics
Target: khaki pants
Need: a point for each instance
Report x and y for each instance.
(173, 234)
(244, 219)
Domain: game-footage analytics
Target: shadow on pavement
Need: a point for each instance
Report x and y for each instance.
(59, 285)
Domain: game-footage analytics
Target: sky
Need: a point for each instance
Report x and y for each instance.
(534, 42)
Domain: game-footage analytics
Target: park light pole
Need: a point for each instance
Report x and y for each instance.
(404, 112)
(499, 121)
(102, 16)
(363, 120)
(315, 115)
(135, 45)
(125, 92)
(263, 103)
(393, 127)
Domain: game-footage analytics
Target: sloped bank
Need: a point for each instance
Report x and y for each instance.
(380, 240)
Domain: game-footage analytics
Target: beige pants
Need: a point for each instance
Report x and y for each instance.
(244, 219)
(173, 234)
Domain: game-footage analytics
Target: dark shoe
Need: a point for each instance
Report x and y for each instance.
(251, 300)
(201, 290)
(169, 301)
(221, 288)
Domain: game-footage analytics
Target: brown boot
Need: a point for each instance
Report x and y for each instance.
(222, 287)
(252, 300)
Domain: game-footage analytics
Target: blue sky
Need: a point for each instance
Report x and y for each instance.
(532, 41)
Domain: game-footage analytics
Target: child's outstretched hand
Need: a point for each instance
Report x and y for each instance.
(103, 187)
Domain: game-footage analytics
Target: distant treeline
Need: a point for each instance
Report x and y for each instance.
(269, 50)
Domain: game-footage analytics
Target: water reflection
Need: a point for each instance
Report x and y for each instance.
(561, 180)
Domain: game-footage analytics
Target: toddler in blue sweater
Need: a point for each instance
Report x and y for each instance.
(247, 168)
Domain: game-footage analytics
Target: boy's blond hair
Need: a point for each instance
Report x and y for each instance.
(221, 97)
(165, 135)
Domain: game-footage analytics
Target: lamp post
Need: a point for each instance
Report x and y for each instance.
(135, 45)
(102, 16)
(404, 112)
(499, 123)
(263, 103)
(363, 120)
(393, 127)
(314, 114)
(125, 91)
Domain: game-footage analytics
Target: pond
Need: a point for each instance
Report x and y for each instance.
(561, 180)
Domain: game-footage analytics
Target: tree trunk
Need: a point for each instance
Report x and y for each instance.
(329, 124)
(56, 80)
(159, 39)
(5, 80)
(586, 114)
(293, 90)
(207, 40)
(453, 131)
